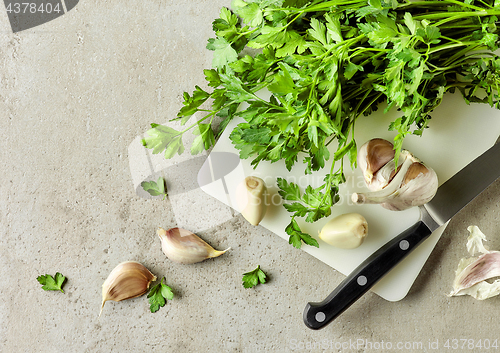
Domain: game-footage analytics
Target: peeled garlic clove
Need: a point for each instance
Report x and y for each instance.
(185, 247)
(129, 279)
(347, 231)
(372, 156)
(413, 184)
(251, 197)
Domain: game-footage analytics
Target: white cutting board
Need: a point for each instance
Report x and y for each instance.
(457, 134)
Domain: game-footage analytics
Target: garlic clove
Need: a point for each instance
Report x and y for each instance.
(251, 196)
(347, 231)
(372, 156)
(185, 247)
(416, 191)
(127, 280)
(383, 176)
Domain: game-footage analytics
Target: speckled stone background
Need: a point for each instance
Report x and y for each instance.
(74, 93)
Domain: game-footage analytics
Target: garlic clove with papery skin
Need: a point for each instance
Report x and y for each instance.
(251, 196)
(373, 157)
(347, 231)
(185, 247)
(127, 280)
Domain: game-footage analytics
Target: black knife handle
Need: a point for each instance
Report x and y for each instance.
(318, 315)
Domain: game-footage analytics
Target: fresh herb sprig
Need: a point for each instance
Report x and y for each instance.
(49, 282)
(253, 278)
(155, 188)
(158, 296)
(326, 64)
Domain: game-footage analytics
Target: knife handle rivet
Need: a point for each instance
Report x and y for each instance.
(404, 244)
(320, 316)
(362, 280)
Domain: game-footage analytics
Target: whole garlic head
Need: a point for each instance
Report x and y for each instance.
(412, 184)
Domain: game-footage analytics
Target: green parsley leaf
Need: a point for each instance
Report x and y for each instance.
(236, 89)
(228, 17)
(205, 138)
(294, 43)
(318, 31)
(52, 283)
(164, 139)
(253, 278)
(224, 53)
(269, 36)
(212, 77)
(158, 296)
(297, 236)
(155, 188)
(192, 103)
(282, 83)
(250, 13)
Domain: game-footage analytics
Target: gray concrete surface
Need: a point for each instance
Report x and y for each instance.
(74, 93)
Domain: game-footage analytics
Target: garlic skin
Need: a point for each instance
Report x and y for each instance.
(347, 231)
(251, 196)
(472, 273)
(412, 184)
(128, 279)
(184, 247)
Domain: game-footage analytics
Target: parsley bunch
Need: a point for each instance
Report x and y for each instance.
(326, 64)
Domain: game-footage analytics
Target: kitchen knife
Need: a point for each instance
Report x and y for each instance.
(450, 198)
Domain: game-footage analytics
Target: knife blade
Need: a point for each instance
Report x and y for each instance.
(450, 198)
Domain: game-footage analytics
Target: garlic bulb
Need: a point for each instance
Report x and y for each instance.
(412, 184)
(185, 247)
(129, 279)
(251, 196)
(347, 231)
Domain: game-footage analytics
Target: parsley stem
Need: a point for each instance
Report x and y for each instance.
(447, 18)
(244, 34)
(211, 115)
(370, 104)
(313, 86)
(451, 39)
(451, 46)
(329, 183)
(443, 4)
(326, 5)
